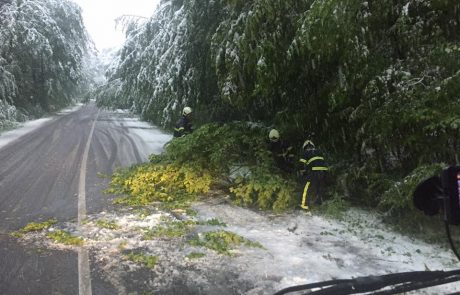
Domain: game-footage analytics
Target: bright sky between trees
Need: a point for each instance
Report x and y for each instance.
(99, 17)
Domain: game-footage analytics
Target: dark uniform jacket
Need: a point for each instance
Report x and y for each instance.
(282, 154)
(312, 161)
(183, 127)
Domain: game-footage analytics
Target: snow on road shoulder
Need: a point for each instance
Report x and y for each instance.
(70, 109)
(29, 126)
(304, 249)
(9, 136)
(298, 248)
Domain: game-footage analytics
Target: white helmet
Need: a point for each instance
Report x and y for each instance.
(274, 135)
(187, 111)
(308, 143)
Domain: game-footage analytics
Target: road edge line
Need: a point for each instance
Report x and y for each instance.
(84, 273)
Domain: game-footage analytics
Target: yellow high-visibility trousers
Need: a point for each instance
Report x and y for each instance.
(314, 188)
(304, 205)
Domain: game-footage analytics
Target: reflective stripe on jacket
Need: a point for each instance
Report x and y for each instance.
(312, 161)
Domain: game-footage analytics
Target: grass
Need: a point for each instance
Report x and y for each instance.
(222, 242)
(144, 259)
(64, 237)
(34, 227)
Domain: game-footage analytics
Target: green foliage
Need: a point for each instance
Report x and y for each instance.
(215, 222)
(64, 237)
(148, 261)
(191, 212)
(122, 245)
(361, 185)
(335, 207)
(107, 224)
(177, 229)
(169, 183)
(374, 83)
(34, 227)
(43, 47)
(173, 229)
(222, 241)
(266, 190)
(398, 198)
(210, 156)
(195, 255)
(221, 148)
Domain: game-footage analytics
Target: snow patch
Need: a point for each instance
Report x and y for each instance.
(29, 126)
(299, 248)
(305, 249)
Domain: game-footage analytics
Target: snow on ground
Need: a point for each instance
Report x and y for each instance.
(304, 249)
(26, 127)
(299, 248)
(153, 138)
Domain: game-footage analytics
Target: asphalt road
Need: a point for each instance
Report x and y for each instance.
(39, 180)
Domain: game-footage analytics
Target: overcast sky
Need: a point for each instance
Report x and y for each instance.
(99, 17)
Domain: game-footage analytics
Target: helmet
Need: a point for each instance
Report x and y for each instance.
(187, 111)
(308, 143)
(274, 135)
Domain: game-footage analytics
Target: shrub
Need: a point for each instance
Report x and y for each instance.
(398, 197)
(335, 207)
(193, 164)
(267, 191)
(147, 183)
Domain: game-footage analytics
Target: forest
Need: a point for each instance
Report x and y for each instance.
(44, 50)
(375, 84)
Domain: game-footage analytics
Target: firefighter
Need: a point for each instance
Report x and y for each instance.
(184, 126)
(314, 170)
(281, 151)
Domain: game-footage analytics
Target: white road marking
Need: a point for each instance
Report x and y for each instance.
(84, 274)
(82, 183)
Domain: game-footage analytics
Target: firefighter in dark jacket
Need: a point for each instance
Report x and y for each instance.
(281, 151)
(184, 126)
(314, 170)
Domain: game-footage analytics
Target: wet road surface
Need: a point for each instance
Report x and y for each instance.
(39, 180)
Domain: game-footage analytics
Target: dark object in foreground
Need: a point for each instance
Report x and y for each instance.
(398, 283)
(430, 196)
(441, 192)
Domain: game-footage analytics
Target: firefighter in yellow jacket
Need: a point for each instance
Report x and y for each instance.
(314, 170)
